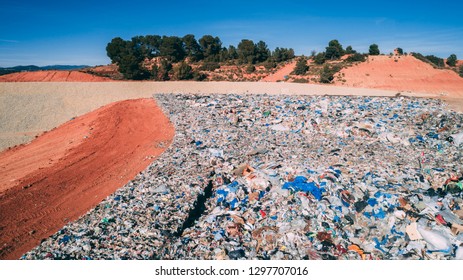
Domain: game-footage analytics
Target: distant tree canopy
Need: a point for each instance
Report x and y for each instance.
(130, 55)
(374, 49)
(439, 62)
(232, 53)
(250, 53)
(247, 51)
(172, 48)
(282, 54)
(192, 48)
(262, 51)
(431, 59)
(349, 50)
(400, 51)
(211, 47)
(452, 60)
(334, 50)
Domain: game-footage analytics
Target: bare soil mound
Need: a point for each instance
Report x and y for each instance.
(67, 171)
(110, 71)
(52, 76)
(281, 74)
(401, 73)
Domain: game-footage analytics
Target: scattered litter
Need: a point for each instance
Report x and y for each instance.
(457, 138)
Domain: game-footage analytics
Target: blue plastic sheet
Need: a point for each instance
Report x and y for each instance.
(300, 184)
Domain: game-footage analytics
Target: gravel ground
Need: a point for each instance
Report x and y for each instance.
(285, 177)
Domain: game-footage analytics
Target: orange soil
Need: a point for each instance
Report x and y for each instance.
(67, 171)
(402, 73)
(281, 73)
(52, 76)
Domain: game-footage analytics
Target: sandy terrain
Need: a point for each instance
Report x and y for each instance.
(52, 76)
(69, 170)
(404, 73)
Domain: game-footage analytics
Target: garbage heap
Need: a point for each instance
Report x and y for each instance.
(286, 177)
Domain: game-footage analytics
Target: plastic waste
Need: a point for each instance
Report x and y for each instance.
(459, 253)
(457, 138)
(236, 254)
(300, 184)
(436, 241)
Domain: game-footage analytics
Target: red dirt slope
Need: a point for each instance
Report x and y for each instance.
(404, 73)
(281, 73)
(65, 172)
(52, 76)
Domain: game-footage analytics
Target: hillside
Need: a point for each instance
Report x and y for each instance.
(52, 76)
(402, 73)
(21, 68)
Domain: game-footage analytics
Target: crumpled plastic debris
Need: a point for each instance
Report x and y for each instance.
(300, 184)
(436, 240)
(457, 138)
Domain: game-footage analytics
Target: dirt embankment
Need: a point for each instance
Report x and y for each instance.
(281, 74)
(402, 73)
(52, 76)
(67, 171)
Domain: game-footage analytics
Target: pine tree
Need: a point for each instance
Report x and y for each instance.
(301, 66)
(374, 49)
(452, 60)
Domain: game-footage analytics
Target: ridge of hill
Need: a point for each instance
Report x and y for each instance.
(52, 76)
(21, 68)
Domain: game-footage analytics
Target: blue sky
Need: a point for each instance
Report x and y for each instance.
(76, 32)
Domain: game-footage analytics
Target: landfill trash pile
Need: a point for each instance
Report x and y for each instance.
(286, 177)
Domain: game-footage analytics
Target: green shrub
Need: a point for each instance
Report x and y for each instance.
(210, 66)
(250, 69)
(301, 66)
(197, 76)
(319, 58)
(269, 64)
(439, 62)
(431, 59)
(356, 57)
(452, 60)
(183, 71)
(161, 73)
(460, 71)
(302, 81)
(327, 73)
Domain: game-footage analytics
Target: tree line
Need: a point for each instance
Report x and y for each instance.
(209, 52)
(130, 55)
